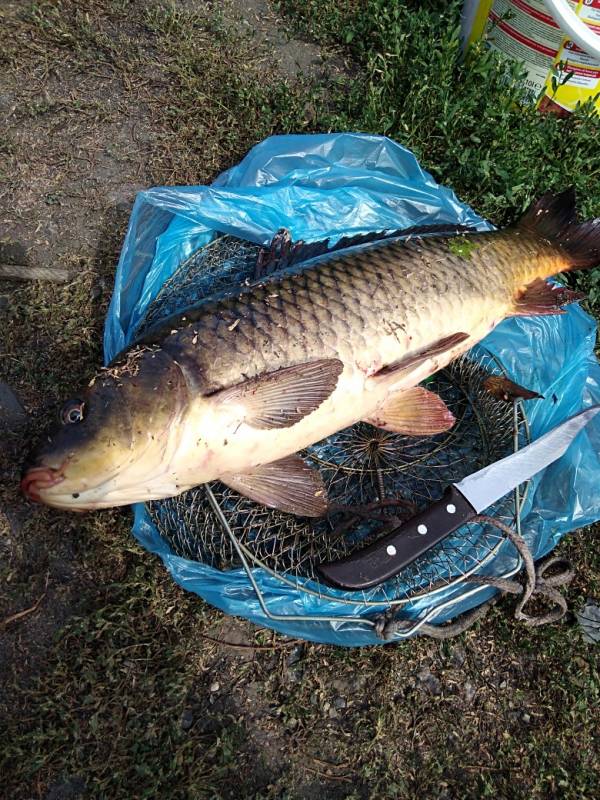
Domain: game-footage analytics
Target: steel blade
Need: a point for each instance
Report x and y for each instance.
(491, 483)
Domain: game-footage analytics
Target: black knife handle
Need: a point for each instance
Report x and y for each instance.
(386, 557)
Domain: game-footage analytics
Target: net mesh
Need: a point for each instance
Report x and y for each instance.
(374, 478)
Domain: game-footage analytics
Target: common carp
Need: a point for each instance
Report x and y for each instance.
(236, 386)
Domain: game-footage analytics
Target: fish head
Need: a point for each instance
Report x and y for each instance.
(113, 442)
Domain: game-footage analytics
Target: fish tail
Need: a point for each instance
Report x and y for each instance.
(554, 218)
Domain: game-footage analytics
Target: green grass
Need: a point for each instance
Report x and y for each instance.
(466, 120)
(225, 95)
(109, 708)
(111, 683)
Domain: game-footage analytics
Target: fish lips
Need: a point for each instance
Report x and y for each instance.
(36, 479)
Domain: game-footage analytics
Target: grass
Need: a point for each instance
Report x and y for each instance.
(498, 153)
(415, 87)
(115, 687)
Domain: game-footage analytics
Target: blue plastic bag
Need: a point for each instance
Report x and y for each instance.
(334, 185)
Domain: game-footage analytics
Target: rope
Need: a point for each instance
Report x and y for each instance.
(535, 584)
(21, 272)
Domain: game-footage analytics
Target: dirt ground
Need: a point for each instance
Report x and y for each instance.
(114, 682)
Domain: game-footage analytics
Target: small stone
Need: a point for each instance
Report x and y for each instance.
(253, 692)
(11, 410)
(339, 702)
(13, 253)
(207, 724)
(526, 718)
(358, 683)
(470, 691)
(296, 655)
(339, 685)
(187, 719)
(458, 656)
(294, 674)
(588, 618)
(214, 687)
(72, 788)
(429, 682)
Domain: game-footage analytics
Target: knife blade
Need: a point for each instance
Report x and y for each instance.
(461, 502)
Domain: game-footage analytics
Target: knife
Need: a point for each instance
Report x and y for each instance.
(460, 503)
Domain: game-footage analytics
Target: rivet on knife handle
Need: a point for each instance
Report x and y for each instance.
(386, 557)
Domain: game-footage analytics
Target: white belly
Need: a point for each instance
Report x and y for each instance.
(216, 443)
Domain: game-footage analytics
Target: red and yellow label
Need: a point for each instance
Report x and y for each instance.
(559, 74)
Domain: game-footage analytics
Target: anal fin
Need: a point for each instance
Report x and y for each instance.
(540, 297)
(414, 412)
(290, 485)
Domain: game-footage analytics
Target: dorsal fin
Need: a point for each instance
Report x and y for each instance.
(282, 252)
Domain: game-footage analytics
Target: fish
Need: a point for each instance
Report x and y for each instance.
(235, 387)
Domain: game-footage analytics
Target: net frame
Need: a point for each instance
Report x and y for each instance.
(231, 531)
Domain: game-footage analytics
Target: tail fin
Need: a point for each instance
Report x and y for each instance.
(553, 217)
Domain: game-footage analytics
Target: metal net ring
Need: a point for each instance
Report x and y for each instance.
(362, 466)
(374, 477)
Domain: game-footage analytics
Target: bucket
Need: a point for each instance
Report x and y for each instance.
(558, 42)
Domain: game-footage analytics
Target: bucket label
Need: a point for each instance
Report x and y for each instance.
(590, 11)
(554, 66)
(584, 70)
(527, 33)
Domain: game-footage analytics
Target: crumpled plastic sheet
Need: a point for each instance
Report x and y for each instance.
(332, 185)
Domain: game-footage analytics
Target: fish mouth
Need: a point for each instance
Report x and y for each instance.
(37, 479)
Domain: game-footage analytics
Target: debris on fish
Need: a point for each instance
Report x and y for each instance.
(234, 387)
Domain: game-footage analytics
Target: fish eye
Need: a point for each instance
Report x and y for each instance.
(72, 412)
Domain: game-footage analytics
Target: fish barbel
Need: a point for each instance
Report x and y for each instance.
(234, 387)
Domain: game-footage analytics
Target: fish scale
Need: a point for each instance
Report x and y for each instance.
(347, 305)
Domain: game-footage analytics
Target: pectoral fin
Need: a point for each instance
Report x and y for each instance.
(415, 412)
(280, 399)
(289, 484)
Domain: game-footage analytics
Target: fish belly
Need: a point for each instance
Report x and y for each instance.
(217, 443)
